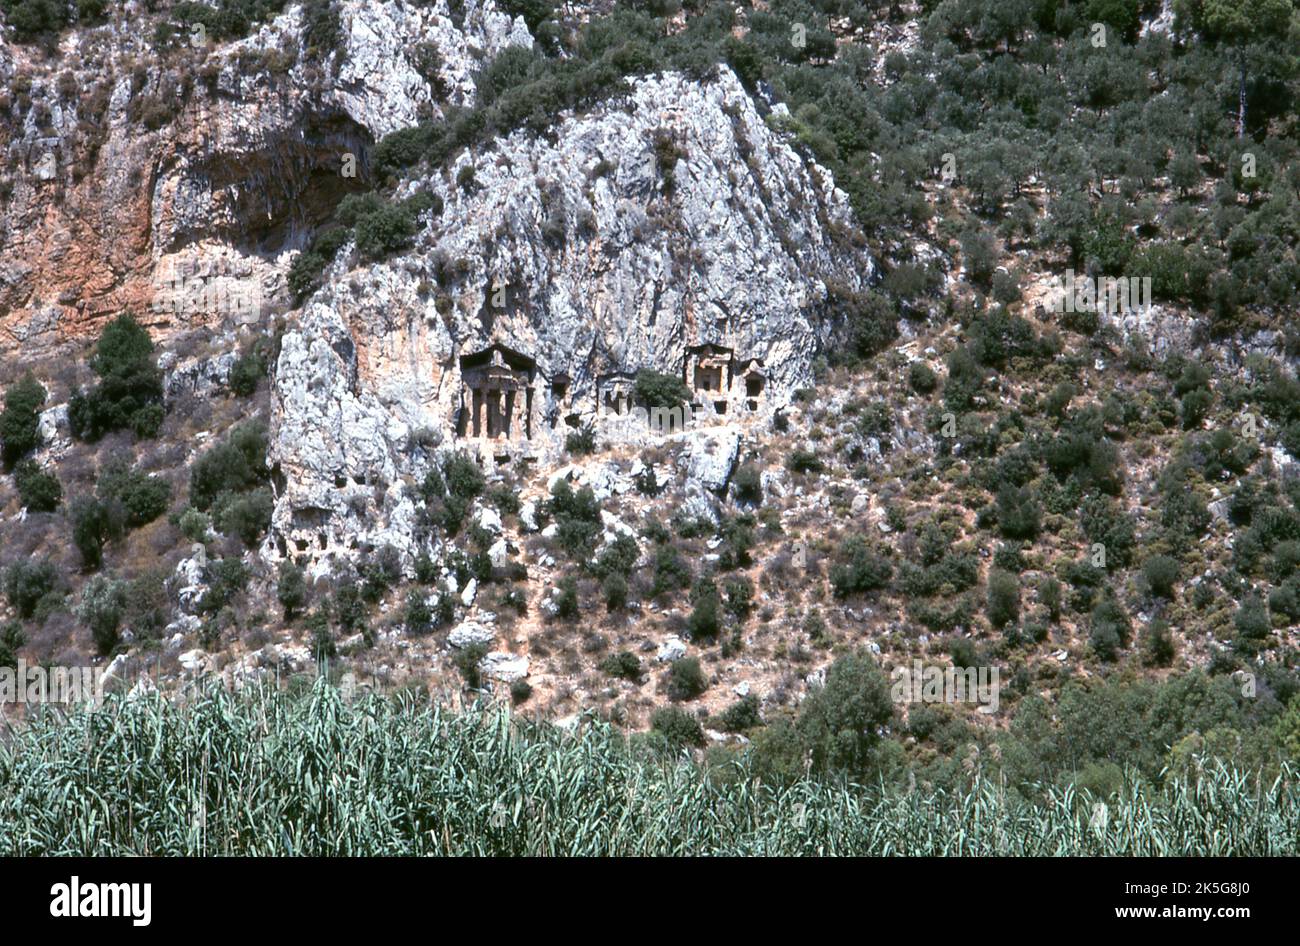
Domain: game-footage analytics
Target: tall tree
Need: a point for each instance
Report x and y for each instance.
(1239, 25)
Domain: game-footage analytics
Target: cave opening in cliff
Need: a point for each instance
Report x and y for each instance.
(288, 189)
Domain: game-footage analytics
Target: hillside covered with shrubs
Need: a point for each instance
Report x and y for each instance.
(1103, 505)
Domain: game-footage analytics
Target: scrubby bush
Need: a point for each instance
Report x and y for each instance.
(27, 583)
(38, 490)
(566, 599)
(20, 420)
(840, 722)
(1003, 598)
(705, 620)
(1110, 629)
(291, 589)
(624, 665)
(142, 498)
(581, 442)
(859, 569)
(615, 590)
(577, 519)
(801, 460)
(384, 229)
(686, 679)
(234, 466)
(449, 491)
(246, 515)
(922, 378)
(747, 484)
(657, 390)
(103, 605)
(468, 659)
(323, 646)
(741, 716)
(1161, 572)
(671, 572)
(1157, 645)
(1251, 620)
(678, 727)
(245, 374)
(739, 597)
(94, 523)
(129, 394)
(12, 640)
(1018, 512)
(416, 614)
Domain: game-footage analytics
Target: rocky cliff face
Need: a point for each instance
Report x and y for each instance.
(671, 219)
(181, 184)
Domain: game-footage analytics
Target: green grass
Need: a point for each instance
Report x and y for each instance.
(276, 774)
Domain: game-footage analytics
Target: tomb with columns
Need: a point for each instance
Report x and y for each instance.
(497, 394)
(506, 398)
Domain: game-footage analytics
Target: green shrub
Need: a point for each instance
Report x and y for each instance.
(236, 465)
(1161, 572)
(1109, 629)
(615, 590)
(802, 460)
(384, 230)
(922, 378)
(1251, 620)
(12, 640)
(581, 442)
(671, 572)
(323, 646)
(38, 490)
(416, 614)
(686, 679)
(245, 374)
(577, 519)
(468, 659)
(566, 600)
(142, 498)
(226, 579)
(27, 583)
(94, 523)
(618, 557)
(737, 534)
(624, 665)
(656, 390)
(20, 421)
(129, 394)
(678, 727)
(705, 620)
(741, 716)
(840, 722)
(103, 605)
(859, 569)
(1157, 645)
(747, 484)
(739, 595)
(194, 525)
(291, 589)
(246, 515)
(1018, 512)
(1003, 598)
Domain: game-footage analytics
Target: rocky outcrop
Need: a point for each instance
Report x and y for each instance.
(672, 218)
(179, 184)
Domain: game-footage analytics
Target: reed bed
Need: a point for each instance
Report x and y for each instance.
(272, 774)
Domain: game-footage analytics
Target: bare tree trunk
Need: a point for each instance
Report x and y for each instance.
(1241, 97)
